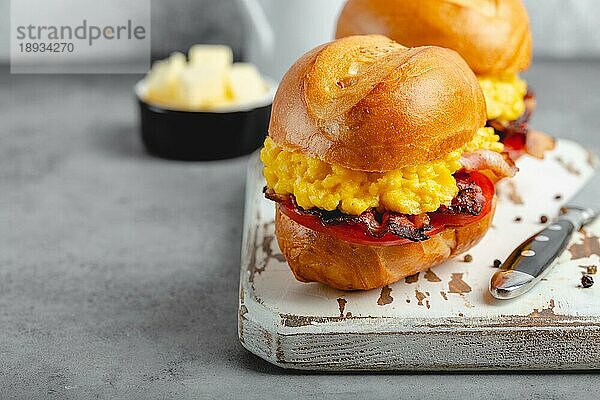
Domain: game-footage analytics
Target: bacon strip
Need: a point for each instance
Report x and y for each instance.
(537, 143)
(500, 165)
(376, 224)
(469, 201)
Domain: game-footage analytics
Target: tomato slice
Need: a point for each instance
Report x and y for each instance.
(357, 234)
(514, 145)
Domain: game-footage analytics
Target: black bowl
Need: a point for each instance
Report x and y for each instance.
(204, 135)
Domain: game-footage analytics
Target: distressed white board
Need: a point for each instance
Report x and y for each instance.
(441, 320)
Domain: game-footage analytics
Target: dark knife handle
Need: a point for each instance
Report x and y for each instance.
(537, 253)
(532, 259)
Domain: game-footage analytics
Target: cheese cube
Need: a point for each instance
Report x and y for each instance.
(245, 83)
(202, 86)
(215, 56)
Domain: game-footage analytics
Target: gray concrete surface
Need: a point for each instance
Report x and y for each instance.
(119, 272)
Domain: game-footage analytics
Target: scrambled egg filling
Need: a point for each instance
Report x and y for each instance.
(408, 190)
(504, 96)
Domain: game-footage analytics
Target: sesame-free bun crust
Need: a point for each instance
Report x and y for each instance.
(317, 257)
(370, 104)
(493, 36)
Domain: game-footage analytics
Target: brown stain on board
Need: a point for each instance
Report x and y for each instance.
(385, 297)
(420, 297)
(589, 245)
(268, 251)
(431, 276)
(543, 312)
(568, 166)
(266, 245)
(267, 240)
(243, 311)
(268, 340)
(279, 352)
(241, 318)
(412, 278)
(457, 285)
(254, 267)
(341, 305)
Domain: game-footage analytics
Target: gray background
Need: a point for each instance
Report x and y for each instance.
(561, 28)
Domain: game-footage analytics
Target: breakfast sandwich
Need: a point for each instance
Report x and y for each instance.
(493, 37)
(379, 161)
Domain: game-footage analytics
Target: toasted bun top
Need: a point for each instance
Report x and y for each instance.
(370, 104)
(493, 36)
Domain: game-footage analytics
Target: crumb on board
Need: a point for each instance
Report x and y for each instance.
(587, 281)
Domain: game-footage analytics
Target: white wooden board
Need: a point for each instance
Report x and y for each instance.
(440, 320)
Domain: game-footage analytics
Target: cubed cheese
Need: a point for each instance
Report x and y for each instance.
(215, 56)
(203, 86)
(245, 82)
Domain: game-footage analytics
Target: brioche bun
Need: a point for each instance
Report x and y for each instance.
(318, 257)
(494, 37)
(368, 103)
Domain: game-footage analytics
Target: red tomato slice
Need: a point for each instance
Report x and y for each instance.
(357, 234)
(514, 145)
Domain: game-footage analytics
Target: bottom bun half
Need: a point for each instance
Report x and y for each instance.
(318, 257)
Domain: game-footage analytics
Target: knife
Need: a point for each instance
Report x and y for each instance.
(533, 258)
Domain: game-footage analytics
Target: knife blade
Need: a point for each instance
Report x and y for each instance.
(533, 258)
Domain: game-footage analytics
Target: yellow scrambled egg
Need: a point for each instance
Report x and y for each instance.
(409, 190)
(503, 96)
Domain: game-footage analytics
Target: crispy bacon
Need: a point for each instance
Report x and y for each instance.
(401, 226)
(469, 201)
(277, 198)
(376, 223)
(537, 143)
(499, 164)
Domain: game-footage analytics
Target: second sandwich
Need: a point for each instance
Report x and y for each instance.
(493, 37)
